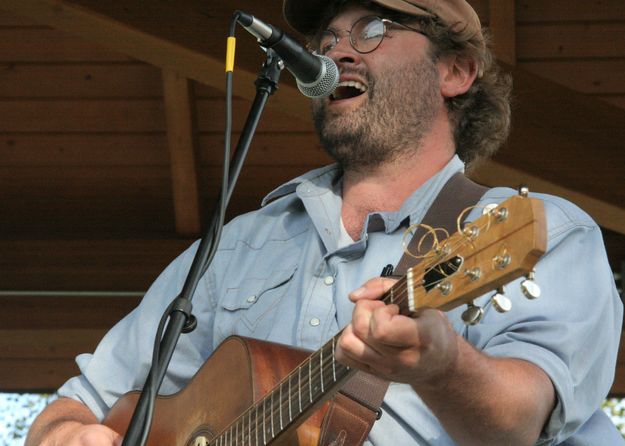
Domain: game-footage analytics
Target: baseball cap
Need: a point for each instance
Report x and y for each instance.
(305, 15)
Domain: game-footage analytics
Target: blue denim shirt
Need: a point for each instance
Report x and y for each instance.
(281, 275)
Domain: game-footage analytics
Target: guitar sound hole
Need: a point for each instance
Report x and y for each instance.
(196, 438)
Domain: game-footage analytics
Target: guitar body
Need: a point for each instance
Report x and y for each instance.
(252, 393)
(238, 374)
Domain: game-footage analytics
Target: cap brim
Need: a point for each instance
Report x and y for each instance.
(404, 6)
(304, 16)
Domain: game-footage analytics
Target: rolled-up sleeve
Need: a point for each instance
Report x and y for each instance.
(572, 331)
(121, 361)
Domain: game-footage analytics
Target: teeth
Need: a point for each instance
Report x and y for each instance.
(339, 93)
(353, 84)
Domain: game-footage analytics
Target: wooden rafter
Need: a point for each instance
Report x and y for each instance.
(569, 143)
(186, 45)
(182, 142)
(608, 215)
(563, 143)
(149, 41)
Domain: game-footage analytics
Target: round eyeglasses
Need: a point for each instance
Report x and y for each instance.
(365, 36)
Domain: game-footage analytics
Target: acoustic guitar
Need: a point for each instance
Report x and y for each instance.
(256, 393)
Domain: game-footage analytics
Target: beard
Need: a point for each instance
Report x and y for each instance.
(401, 107)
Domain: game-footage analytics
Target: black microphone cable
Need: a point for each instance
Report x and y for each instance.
(210, 239)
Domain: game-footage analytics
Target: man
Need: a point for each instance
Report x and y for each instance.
(417, 89)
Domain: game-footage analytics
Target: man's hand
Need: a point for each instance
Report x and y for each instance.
(76, 434)
(379, 340)
(479, 399)
(67, 422)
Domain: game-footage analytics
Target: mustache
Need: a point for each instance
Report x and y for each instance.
(362, 73)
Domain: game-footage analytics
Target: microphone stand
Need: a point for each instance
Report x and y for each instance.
(179, 313)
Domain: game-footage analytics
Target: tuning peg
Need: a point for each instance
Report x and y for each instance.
(473, 274)
(501, 303)
(530, 288)
(472, 315)
(524, 191)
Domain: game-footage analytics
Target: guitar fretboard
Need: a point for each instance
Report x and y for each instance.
(493, 250)
(297, 394)
(291, 398)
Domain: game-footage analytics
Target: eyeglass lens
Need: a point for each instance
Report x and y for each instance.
(365, 36)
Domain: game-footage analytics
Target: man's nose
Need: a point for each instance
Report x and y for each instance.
(344, 53)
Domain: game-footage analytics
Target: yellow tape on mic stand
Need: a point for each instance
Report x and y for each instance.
(231, 45)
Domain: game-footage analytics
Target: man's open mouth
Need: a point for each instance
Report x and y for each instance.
(347, 90)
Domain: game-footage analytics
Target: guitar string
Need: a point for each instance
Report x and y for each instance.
(275, 407)
(399, 294)
(291, 397)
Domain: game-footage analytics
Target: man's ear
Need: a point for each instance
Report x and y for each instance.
(457, 75)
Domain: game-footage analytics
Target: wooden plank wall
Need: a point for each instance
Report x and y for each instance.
(85, 177)
(576, 43)
(69, 112)
(81, 125)
(86, 213)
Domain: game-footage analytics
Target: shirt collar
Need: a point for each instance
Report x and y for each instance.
(416, 205)
(325, 179)
(320, 178)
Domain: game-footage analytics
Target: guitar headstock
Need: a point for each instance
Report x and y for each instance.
(502, 245)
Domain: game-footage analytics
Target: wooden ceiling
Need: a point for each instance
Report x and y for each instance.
(111, 134)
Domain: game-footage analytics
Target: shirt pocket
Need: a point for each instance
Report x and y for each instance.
(249, 309)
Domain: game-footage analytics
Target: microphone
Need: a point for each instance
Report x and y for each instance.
(317, 76)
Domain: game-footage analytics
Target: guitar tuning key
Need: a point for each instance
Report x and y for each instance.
(472, 315)
(524, 191)
(501, 302)
(530, 288)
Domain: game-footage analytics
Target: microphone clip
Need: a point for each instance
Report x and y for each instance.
(269, 74)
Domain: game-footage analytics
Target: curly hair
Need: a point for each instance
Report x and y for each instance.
(481, 116)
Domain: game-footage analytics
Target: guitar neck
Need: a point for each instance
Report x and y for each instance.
(300, 393)
(501, 245)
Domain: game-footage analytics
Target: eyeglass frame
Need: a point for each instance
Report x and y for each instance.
(337, 39)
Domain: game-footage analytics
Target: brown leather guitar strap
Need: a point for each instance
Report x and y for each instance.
(356, 406)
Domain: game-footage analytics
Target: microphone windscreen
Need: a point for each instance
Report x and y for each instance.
(325, 83)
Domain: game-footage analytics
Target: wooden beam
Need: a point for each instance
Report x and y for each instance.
(562, 11)
(42, 360)
(550, 117)
(584, 39)
(503, 25)
(45, 359)
(42, 335)
(566, 143)
(64, 310)
(205, 66)
(492, 173)
(85, 265)
(35, 375)
(48, 344)
(183, 147)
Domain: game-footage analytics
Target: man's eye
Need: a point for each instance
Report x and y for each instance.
(370, 35)
(326, 47)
